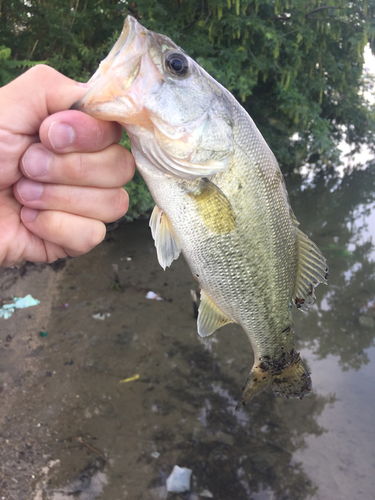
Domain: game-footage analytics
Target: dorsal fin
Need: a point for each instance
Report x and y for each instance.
(312, 269)
(167, 248)
(210, 317)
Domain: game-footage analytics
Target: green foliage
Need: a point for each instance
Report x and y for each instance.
(140, 200)
(70, 35)
(9, 68)
(295, 65)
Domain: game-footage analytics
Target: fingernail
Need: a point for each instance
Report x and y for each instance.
(29, 190)
(36, 162)
(28, 214)
(61, 135)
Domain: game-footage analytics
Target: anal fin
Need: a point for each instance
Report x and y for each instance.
(167, 248)
(210, 317)
(312, 270)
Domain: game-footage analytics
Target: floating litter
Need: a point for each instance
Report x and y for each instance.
(206, 494)
(130, 379)
(18, 303)
(153, 296)
(101, 316)
(179, 480)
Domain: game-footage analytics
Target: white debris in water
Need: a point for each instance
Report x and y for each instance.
(18, 303)
(206, 494)
(100, 316)
(155, 454)
(41, 485)
(153, 296)
(179, 480)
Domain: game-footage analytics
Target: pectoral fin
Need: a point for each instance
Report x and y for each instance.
(214, 208)
(167, 248)
(210, 317)
(312, 270)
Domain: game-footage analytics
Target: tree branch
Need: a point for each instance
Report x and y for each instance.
(307, 16)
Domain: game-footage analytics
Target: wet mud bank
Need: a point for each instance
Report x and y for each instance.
(71, 423)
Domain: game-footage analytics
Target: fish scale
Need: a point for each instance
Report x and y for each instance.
(220, 199)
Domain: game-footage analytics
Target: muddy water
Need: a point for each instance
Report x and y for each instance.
(73, 427)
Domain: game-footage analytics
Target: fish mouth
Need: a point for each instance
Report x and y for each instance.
(110, 95)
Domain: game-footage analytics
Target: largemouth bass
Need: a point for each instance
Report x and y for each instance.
(220, 199)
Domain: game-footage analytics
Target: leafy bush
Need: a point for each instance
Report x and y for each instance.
(10, 68)
(140, 199)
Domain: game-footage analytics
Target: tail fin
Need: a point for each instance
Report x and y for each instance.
(287, 376)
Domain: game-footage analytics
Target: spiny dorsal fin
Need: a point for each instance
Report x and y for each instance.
(167, 248)
(214, 207)
(210, 317)
(312, 270)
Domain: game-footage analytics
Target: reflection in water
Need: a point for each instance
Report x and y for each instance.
(238, 453)
(337, 210)
(89, 486)
(233, 454)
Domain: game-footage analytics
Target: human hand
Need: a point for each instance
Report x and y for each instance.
(61, 171)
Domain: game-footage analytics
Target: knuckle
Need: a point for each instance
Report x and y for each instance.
(110, 132)
(120, 203)
(90, 235)
(40, 72)
(54, 252)
(80, 167)
(126, 161)
(77, 168)
(57, 219)
(67, 234)
(94, 236)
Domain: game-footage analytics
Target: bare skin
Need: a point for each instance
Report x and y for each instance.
(61, 171)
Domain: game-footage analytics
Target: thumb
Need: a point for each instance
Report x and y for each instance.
(33, 96)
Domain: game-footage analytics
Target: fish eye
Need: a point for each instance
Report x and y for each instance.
(177, 64)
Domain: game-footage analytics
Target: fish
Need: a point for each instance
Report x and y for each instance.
(220, 197)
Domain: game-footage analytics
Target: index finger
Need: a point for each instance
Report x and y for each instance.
(72, 131)
(36, 94)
